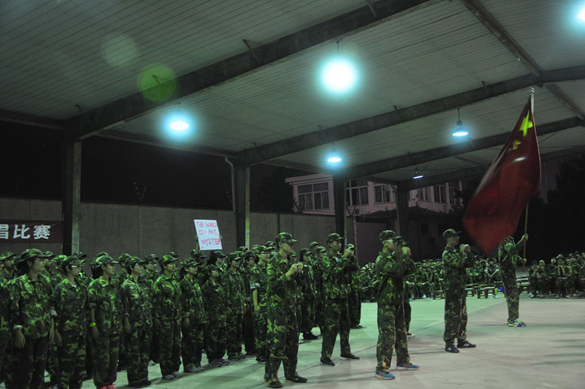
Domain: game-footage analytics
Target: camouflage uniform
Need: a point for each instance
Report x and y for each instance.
(137, 308)
(104, 299)
(317, 265)
(5, 331)
(31, 311)
(308, 285)
(167, 309)
(192, 305)
(354, 296)
(283, 334)
(508, 256)
(235, 292)
(335, 288)
(392, 331)
(72, 306)
(258, 283)
(216, 308)
(148, 277)
(454, 282)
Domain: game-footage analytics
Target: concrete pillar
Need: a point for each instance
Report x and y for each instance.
(402, 194)
(71, 195)
(241, 179)
(340, 204)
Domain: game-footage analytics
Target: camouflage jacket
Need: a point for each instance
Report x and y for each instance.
(391, 271)
(317, 267)
(150, 276)
(136, 303)
(335, 281)
(72, 307)
(4, 306)
(167, 298)
(192, 301)
(454, 265)
(281, 292)
(235, 292)
(508, 256)
(104, 299)
(259, 282)
(537, 274)
(32, 306)
(216, 305)
(308, 283)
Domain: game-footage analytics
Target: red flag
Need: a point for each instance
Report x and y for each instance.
(507, 187)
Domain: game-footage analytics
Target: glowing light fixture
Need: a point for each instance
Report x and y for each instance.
(582, 14)
(339, 75)
(179, 122)
(334, 157)
(460, 131)
(417, 174)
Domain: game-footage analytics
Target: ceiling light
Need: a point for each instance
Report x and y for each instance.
(334, 157)
(582, 14)
(417, 174)
(178, 121)
(460, 131)
(339, 75)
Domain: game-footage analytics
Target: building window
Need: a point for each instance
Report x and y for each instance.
(313, 197)
(384, 194)
(440, 194)
(357, 192)
(453, 186)
(424, 194)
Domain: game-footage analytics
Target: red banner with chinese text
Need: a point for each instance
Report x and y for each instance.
(31, 231)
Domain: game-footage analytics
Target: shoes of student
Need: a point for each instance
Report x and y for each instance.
(136, 384)
(224, 362)
(151, 363)
(168, 377)
(357, 327)
(297, 379)
(384, 375)
(451, 348)
(465, 344)
(409, 335)
(145, 383)
(177, 374)
(406, 366)
(215, 363)
(516, 323)
(111, 386)
(310, 336)
(275, 384)
(349, 356)
(327, 361)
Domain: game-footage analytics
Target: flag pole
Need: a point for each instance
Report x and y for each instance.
(525, 232)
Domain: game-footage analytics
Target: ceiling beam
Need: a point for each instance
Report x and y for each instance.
(491, 23)
(93, 121)
(373, 168)
(363, 126)
(29, 120)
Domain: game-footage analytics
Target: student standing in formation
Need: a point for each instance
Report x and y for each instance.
(455, 262)
(508, 258)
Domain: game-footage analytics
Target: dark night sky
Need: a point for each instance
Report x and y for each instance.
(31, 160)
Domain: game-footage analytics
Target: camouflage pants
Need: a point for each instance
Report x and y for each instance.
(455, 315)
(320, 313)
(137, 353)
(307, 321)
(28, 364)
(248, 332)
(391, 333)
(283, 342)
(104, 352)
(407, 315)
(512, 295)
(71, 362)
(192, 345)
(122, 357)
(336, 322)
(537, 286)
(4, 352)
(355, 307)
(215, 341)
(52, 366)
(234, 335)
(155, 345)
(562, 287)
(170, 346)
(260, 335)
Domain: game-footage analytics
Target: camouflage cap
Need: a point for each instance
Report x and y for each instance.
(49, 254)
(81, 255)
(71, 260)
(269, 244)
(123, 258)
(388, 234)
(351, 246)
(304, 252)
(219, 254)
(103, 260)
(6, 255)
(333, 237)
(150, 258)
(174, 255)
(320, 249)
(58, 260)
(313, 244)
(284, 237)
(190, 262)
(265, 249)
(243, 248)
(29, 254)
(166, 259)
(450, 232)
(133, 261)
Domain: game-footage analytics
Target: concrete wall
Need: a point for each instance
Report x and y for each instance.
(141, 230)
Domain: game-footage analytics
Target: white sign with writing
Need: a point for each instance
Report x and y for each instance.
(208, 234)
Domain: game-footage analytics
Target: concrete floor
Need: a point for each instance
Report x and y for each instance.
(548, 353)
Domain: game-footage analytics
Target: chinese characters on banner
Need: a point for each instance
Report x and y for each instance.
(28, 231)
(208, 234)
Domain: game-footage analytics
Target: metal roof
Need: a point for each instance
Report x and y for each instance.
(248, 72)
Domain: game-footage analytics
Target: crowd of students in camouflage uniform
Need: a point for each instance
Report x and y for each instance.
(75, 325)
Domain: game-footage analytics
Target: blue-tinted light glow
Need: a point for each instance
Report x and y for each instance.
(417, 177)
(460, 133)
(582, 14)
(334, 159)
(339, 75)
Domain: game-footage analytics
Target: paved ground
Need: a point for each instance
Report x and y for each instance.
(548, 353)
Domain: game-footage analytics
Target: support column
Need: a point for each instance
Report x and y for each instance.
(340, 205)
(241, 175)
(71, 195)
(402, 196)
